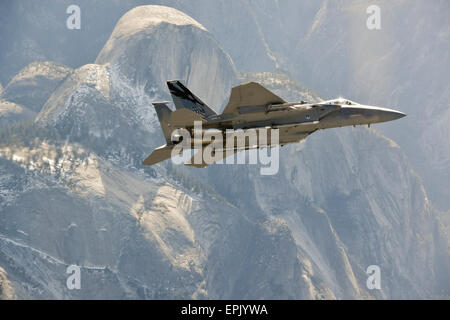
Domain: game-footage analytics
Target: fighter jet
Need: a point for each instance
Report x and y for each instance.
(251, 106)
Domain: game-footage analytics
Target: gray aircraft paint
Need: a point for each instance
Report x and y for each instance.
(251, 106)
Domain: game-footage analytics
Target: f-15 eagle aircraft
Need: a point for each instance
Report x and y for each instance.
(251, 106)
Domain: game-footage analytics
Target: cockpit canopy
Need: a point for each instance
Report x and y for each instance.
(342, 101)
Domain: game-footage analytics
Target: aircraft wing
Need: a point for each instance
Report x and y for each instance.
(248, 95)
(183, 118)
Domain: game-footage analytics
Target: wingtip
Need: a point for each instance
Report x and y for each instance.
(170, 82)
(160, 102)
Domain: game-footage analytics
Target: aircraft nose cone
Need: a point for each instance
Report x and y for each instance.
(390, 115)
(394, 115)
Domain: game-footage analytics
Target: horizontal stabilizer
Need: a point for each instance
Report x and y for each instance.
(159, 154)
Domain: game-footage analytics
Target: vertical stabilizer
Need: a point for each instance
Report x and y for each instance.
(184, 98)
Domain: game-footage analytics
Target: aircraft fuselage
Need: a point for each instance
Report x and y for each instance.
(252, 110)
(297, 120)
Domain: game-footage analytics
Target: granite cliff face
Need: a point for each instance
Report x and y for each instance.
(102, 124)
(342, 195)
(185, 50)
(34, 84)
(327, 45)
(72, 191)
(401, 65)
(128, 77)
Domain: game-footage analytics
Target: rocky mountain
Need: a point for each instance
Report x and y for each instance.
(401, 65)
(34, 84)
(335, 174)
(189, 52)
(324, 44)
(73, 191)
(327, 45)
(11, 113)
(6, 291)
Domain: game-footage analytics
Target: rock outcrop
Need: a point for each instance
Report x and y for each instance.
(11, 113)
(6, 290)
(185, 50)
(34, 84)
